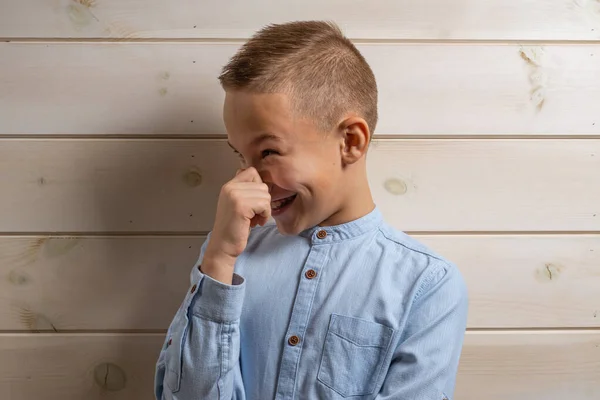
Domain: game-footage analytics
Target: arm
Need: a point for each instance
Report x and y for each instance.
(425, 362)
(200, 355)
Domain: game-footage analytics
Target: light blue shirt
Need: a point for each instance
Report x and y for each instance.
(359, 310)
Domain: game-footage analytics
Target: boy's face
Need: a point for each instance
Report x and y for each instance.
(300, 164)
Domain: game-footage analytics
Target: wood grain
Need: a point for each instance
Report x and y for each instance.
(172, 88)
(112, 185)
(494, 365)
(78, 366)
(55, 283)
(538, 365)
(389, 19)
(133, 283)
(527, 281)
(420, 185)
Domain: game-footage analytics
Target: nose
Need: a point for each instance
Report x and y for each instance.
(266, 177)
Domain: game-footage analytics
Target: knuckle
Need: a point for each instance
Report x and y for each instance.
(226, 188)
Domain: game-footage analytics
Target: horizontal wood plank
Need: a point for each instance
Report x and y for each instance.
(527, 281)
(114, 185)
(495, 366)
(58, 283)
(172, 88)
(133, 283)
(386, 19)
(420, 185)
(530, 366)
(78, 366)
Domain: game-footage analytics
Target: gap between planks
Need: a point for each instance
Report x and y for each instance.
(376, 137)
(151, 332)
(144, 234)
(232, 40)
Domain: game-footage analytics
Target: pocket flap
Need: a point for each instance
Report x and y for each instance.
(360, 332)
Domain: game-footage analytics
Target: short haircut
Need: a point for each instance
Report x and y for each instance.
(320, 69)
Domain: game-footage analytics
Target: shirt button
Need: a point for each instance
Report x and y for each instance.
(322, 234)
(170, 342)
(310, 274)
(293, 340)
(194, 288)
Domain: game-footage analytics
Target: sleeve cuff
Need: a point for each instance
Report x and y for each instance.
(218, 301)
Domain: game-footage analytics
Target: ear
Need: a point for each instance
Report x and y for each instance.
(355, 138)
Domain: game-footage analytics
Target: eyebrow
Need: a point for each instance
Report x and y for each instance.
(262, 138)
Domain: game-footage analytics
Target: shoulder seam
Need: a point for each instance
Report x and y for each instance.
(426, 283)
(413, 249)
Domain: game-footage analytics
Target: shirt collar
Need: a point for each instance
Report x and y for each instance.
(348, 230)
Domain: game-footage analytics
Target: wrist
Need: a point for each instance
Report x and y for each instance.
(219, 266)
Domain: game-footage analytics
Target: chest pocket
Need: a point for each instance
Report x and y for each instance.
(354, 355)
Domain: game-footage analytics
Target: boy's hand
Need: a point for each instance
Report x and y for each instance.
(244, 202)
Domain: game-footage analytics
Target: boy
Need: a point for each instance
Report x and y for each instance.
(330, 302)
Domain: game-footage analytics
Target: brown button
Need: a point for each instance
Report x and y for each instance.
(194, 288)
(170, 342)
(310, 274)
(293, 340)
(322, 234)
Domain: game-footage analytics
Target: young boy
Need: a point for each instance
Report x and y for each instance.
(329, 302)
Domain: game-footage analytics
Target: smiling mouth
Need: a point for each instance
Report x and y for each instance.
(281, 204)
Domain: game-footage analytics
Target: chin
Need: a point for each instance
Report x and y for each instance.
(287, 229)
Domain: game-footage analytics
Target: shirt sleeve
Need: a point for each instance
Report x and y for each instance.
(425, 362)
(200, 355)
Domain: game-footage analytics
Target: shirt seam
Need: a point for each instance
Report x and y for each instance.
(427, 281)
(220, 382)
(216, 321)
(440, 264)
(406, 246)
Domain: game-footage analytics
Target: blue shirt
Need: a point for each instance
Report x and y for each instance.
(359, 310)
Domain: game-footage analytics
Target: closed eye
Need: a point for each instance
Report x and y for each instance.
(268, 152)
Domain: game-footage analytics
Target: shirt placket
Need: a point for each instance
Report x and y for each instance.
(295, 339)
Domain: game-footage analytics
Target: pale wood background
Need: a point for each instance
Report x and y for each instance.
(112, 153)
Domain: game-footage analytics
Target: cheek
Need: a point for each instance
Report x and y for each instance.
(285, 176)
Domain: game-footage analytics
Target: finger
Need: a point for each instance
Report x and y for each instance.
(258, 220)
(266, 214)
(249, 186)
(263, 221)
(248, 175)
(258, 207)
(249, 196)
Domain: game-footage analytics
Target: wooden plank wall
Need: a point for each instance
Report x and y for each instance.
(112, 153)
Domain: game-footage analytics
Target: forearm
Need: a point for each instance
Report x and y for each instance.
(202, 347)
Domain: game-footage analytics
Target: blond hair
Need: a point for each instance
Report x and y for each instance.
(313, 62)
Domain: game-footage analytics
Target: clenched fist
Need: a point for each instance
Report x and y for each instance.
(244, 202)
